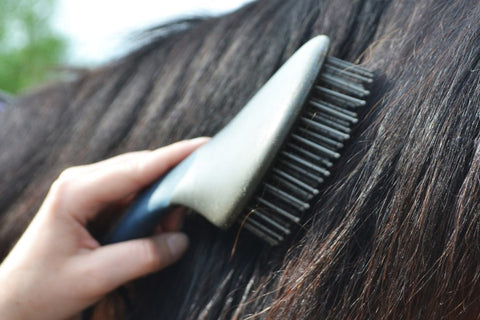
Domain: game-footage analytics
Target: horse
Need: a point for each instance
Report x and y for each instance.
(394, 233)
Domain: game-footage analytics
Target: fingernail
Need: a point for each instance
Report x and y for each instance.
(177, 243)
(199, 140)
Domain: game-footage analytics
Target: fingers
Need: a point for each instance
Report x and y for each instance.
(115, 264)
(83, 191)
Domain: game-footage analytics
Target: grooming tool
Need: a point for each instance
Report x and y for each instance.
(265, 166)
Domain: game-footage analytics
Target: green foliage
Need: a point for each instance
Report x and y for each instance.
(28, 46)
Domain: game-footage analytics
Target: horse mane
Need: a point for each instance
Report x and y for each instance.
(394, 234)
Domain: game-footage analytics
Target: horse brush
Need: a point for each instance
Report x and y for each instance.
(265, 167)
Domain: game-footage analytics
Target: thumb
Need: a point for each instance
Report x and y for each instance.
(118, 263)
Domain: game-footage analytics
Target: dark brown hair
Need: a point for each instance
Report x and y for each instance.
(395, 233)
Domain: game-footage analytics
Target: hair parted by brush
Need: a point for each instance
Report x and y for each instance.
(395, 234)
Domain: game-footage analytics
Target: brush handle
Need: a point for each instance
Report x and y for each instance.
(144, 215)
(150, 207)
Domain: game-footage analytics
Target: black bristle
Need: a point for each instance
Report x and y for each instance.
(314, 143)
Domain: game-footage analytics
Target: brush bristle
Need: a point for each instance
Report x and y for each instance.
(305, 159)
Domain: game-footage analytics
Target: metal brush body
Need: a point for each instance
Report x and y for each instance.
(269, 160)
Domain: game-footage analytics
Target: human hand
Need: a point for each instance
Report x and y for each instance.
(57, 268)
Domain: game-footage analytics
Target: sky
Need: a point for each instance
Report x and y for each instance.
(97, 29)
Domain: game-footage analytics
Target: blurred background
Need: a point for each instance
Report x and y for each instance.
(38, 36)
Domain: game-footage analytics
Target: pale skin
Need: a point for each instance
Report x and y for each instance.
(57, 268)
